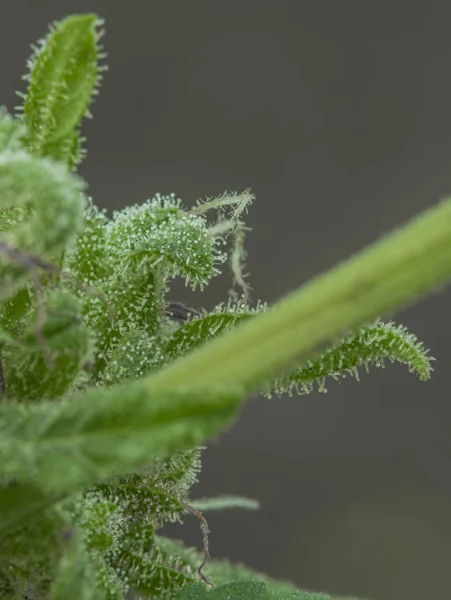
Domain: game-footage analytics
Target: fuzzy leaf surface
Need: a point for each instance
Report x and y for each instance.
(62, 79)
(195, 333)
(12, 132)
(219, 571)
(369, 346)
(75, 579)
(41, 210)
(244, 590)
(43, 368)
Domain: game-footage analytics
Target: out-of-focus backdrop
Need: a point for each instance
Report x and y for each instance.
(338, 116)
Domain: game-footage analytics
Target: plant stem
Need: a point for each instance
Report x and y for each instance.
(392, 273)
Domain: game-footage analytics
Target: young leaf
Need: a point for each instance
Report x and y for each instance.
(100, 525)
(30, 554)
(155, 495)
(237, 259)
(21, 503)
(135, 355)
(219, 571)
(51, 205)
(243, 590)
(47, 357)
(235, 204)
(75, 579)
(63, 77)
(196, 332)
(87, 259)
(247, 590)
(150, 568)
(50, 193)
(369, 346)
(160, 234)
(12, 132)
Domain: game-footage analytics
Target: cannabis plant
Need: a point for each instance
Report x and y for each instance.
(108, 388)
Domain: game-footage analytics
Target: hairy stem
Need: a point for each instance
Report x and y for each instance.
(394, 272)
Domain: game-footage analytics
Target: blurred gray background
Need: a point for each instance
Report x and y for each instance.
(338, 115)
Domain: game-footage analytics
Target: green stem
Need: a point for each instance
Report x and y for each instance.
(392, 273)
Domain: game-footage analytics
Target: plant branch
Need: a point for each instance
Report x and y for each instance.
(392, 273)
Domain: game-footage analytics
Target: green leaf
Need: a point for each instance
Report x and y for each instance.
(29, 552)
(21, 503)
(12, 132)
(223, 573)
(75, 443)
(69, 150)
(87, 259)
(243, 590)
(156, 494)
(160, 234)
(231, 591)
(198, 331)
(63, 76)
(46, 189)
(75, 579)
(150, 567)
(235, 205)
(51, 205)
(46, 359)
(369, 347)
(219, 571)
(135, 355)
